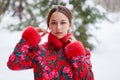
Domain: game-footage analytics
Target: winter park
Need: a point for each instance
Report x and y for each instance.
(102, 24)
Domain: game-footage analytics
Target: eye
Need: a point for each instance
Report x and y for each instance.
(63, 22)
(53, 23)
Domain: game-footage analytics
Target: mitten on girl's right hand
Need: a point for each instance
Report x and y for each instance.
(31, 35)
(74, 49)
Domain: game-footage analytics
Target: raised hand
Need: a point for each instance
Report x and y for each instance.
(41, 31)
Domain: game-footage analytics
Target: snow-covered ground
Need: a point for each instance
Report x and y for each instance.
(105, 56)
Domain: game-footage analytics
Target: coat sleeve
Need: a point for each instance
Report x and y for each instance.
(79, 58)
(22, 56)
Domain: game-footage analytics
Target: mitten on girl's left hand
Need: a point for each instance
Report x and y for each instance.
(74, 49)
(31, 35)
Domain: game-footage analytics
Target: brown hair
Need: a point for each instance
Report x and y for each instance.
(61, 9)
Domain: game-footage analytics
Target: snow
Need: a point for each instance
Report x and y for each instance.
(8, 41)
(87, 3)
(104, 57)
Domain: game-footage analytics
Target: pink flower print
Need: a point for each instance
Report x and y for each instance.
(39, 52)
(70, 74)
(75, 58)
(22, 57)
(54, 74)
(46, 76)
(12, 57)
(39, 59)
(66, 69)
(24, 48)
(47, 68)
(75, 65)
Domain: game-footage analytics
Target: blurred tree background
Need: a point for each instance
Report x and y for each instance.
(109, 5)
(34, 12)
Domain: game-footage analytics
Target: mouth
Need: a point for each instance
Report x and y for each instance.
(58, 33)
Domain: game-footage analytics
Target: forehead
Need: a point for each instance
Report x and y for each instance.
(58, 16)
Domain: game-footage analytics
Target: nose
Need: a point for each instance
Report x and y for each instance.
(58, 26)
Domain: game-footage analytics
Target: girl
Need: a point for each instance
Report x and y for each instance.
(61, 58)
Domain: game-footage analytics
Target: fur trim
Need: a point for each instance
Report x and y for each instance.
(32, 35)
(63, 40)
(58, 43)
(54, 41)
(74, 49)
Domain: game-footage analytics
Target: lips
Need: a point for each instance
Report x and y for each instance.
(58, 33)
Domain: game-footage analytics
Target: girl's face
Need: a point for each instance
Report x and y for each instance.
(59, 24)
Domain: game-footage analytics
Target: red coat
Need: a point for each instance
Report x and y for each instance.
(54, 60)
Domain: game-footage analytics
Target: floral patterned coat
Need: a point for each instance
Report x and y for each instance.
(50, 63)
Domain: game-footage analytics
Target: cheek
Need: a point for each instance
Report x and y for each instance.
(52, 29)
(66, 28)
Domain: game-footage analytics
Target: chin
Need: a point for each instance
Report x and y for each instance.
(59, 37)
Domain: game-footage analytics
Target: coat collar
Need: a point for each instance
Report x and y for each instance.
(57, 43)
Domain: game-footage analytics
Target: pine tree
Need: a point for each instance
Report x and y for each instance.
(36, 12)
(84, 15)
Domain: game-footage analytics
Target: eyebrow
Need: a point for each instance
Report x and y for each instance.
(55, 20)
